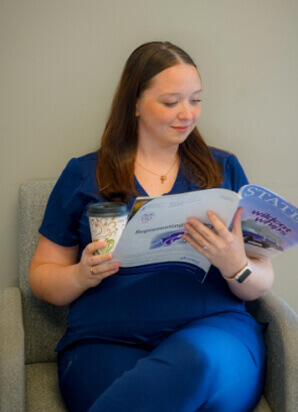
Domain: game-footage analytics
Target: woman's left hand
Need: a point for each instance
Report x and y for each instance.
(223, 248)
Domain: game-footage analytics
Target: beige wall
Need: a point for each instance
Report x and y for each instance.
(61, 60)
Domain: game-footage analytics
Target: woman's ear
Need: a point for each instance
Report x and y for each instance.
(137, 113)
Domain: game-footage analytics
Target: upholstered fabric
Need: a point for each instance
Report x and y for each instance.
(262, 406)
(44, 324)
(42, 379)
(282, 341)
(11, 351)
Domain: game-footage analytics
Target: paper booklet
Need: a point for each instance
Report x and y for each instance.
(153, 234)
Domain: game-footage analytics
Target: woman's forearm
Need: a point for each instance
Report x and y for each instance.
(257, 284)
(55, 283)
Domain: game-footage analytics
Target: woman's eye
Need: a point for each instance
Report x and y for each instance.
(170, 104)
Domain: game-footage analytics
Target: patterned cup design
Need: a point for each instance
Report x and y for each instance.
(108, 229)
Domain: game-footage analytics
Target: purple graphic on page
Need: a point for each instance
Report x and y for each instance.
(256, 239)
(167, 239)
(147, 217)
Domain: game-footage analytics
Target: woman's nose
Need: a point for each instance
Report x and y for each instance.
(185, 112)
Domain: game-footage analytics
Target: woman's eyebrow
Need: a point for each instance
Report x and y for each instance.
(177, 94)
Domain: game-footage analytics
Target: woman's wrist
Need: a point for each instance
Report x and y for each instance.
(231, 274)
(80, 282)
(241, 275)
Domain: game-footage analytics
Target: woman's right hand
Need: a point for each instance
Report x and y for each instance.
(56, 277)
(93, 268)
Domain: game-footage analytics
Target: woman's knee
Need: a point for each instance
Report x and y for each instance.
(206, 355)
(186, 357)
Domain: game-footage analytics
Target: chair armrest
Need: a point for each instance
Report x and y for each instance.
(12, 366)
(281, 390)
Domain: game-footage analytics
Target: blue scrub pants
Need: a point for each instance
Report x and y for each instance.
(214, 364)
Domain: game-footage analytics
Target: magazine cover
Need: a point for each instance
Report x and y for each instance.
(269, 222)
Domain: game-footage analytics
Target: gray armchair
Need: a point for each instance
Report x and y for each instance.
(30, 330)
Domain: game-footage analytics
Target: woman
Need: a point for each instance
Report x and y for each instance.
(159, 341)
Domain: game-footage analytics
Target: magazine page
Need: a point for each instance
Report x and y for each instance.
(138, 203)
(153, 236)
(269, 222)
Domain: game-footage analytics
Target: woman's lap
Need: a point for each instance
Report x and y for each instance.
(88, 368)
(199, 367)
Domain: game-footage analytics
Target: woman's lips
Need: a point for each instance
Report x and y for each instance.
(180, 129)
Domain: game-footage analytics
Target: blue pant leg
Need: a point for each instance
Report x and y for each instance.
(206, 366)
(88, 368)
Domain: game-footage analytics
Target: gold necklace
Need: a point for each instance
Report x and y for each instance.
(162, 177)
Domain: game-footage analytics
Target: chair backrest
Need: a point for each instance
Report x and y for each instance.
(44, 323)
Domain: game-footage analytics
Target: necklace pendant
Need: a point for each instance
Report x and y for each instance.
(163, 178)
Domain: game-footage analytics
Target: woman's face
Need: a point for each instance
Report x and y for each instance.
(169, 108)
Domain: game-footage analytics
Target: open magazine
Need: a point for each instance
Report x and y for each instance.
(153, 234)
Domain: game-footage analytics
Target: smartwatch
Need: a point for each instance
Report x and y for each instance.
(242, 275)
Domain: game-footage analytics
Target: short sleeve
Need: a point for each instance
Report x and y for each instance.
(235, 173)
(64, 207)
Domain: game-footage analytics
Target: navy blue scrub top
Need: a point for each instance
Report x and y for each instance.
(136, 309)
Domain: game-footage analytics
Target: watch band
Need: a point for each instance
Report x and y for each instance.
(241, 275)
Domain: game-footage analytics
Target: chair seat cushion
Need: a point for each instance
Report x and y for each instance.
(262, 406)
(42, 389)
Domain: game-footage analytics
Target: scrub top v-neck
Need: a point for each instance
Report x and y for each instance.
(176, 188)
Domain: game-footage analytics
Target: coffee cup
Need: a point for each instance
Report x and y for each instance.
(107, 221)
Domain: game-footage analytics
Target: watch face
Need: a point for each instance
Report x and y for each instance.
(242, 276)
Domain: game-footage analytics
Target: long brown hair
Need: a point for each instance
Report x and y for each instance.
(117, 152)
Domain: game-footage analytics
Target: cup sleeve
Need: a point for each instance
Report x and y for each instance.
(64, 207)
